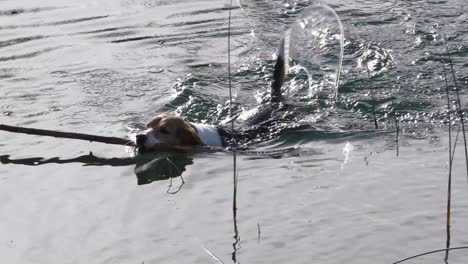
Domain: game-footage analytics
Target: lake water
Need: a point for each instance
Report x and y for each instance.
(342, 192)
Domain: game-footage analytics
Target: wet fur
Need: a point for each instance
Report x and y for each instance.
(173, 130)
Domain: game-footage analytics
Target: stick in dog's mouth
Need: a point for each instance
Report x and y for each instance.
(147, 139)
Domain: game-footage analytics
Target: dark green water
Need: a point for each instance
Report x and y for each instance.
(338, 192)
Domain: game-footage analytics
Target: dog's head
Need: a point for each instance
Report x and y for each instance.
(170, 130)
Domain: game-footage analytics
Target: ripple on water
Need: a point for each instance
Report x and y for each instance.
(22, 11)
(8, 109)
(118, 63)
(10, 42)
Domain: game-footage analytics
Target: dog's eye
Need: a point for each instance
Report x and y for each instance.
(163, 130)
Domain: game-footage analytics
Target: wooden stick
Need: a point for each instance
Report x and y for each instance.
(58, 134)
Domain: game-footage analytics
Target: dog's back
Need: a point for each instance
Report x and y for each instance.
(271, 118)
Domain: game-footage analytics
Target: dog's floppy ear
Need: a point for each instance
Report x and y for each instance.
(156, 120)
(188, 136)
(153, 122)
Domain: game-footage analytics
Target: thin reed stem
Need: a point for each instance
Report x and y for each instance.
(397, 140)
(234, 218)
(229, 64)
(460, 110)
(449, 184)
(373, 98)
(428, 253)
(170, 182)
(258, 233)
(455, 145)
(233, 145)
(213, 256)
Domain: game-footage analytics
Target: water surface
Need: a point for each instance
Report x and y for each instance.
(342, 192)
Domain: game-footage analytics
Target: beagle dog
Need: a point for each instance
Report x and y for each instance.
(170, 130)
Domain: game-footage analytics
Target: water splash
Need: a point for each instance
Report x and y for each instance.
(316, 46)
(375, 59)
(347, 149)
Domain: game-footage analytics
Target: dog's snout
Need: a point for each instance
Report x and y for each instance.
(140, 140)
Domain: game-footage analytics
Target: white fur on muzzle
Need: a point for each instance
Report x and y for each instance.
(151, 139)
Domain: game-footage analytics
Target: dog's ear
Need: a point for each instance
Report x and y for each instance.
(155, 121)
(188, 136)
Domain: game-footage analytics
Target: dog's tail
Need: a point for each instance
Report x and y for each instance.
(281, 68)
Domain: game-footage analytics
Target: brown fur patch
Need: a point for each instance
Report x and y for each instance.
(174, 130)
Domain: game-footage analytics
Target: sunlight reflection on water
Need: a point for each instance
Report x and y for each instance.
(335, 192)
